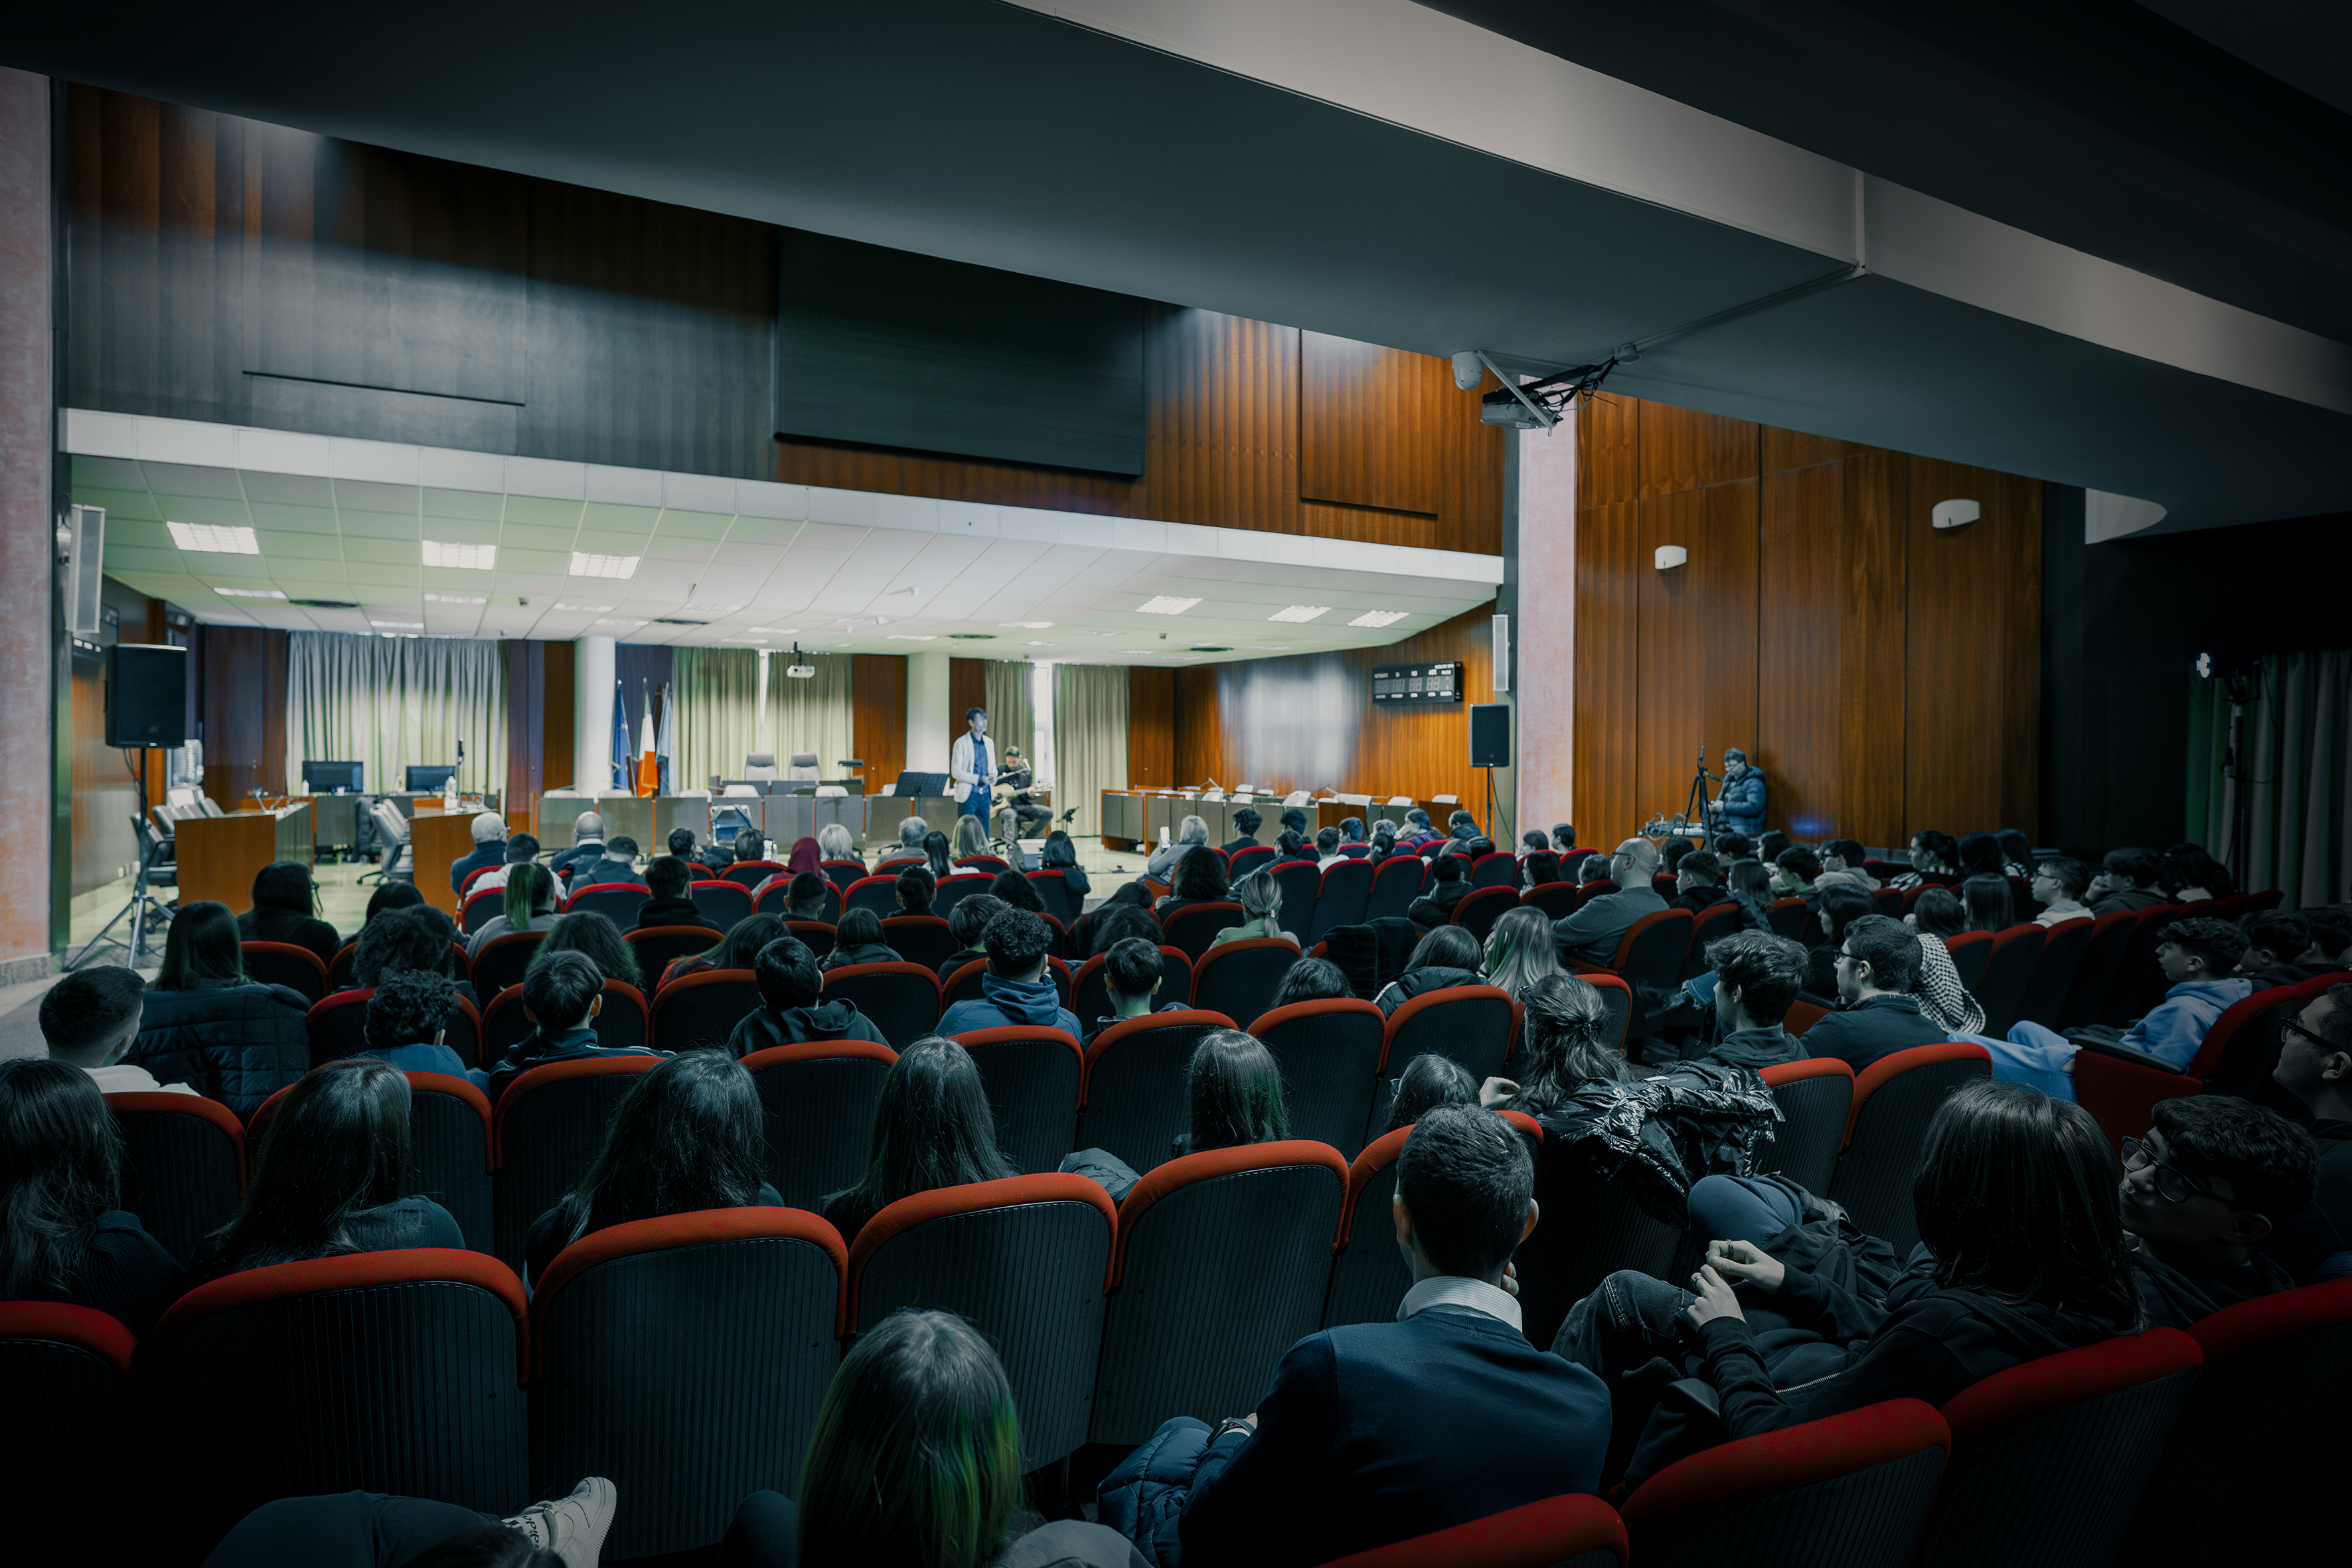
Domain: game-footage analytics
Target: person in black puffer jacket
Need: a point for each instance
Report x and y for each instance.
(284, 905)
(206, 1026)
(1448, 956)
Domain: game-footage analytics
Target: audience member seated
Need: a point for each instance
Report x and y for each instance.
(2016, 851)
(2128, 879)
(1291, 845)
(1877, 963)
(1730, 847)
(2274, 940)
(1671, 850)
(1980, 856)
(680, 844)
(489, 850)
(1417, 832)
(2199, 1194)
(1116, 922)
(1449, 955)
(89, 1019)
(1795, 869)
(713, 857)
(932, 1128)
(203, 1024)
(327, 1178)
(1247, 821)
(971, 838)
(1539, 867)
(1749, 884)
(1260, 897)
(670, 880)
(416, 937)
(1769, 844)
(805, 895)
(1131, 977)
(618, 864)
(1840, 908)
(739, 948)
(1593, 932)
(793, 1010)
(967, 923)
(834, 843)
(1293, 820)
(1936, 917)
(1351, 837)
(1991, 907)
(1461, 827)
(2021, 1256)
(587, 848)
(1698, 883)
(561, 994)
(1449, 884)
(1311, 980)
(391, 896)
(1395, 1429)
(62, 1236)
(689, 1135)
(285, 908)
(1846, 855)
(1327, 849)
(1232, 1097)
(806, 857)
(521, 850)
(2059, 884)
(2315, 1066)
(1563, 1048)
(1756, 976)
(1060, 855)
(1199, 879)
(1191, 830)
(1519, 950)
(2190, 875)
(1429, 1080)
(407, 1020)
(2198, 957)
(1384, 844)
(914, 888)
(748, 848)
(1016, 988)
(596, 935)
(530, 906)
(1015, 891)
(912, 830)
(915, 1459)
(2330, 951)
(1935, 857)
(858, 940)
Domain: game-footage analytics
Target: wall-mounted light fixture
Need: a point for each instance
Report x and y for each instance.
(1670, 556)
(1955, 513)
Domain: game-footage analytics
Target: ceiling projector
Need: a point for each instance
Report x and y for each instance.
(798, 669)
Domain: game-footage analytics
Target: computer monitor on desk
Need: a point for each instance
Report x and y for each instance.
(428, 778)
(326, 778)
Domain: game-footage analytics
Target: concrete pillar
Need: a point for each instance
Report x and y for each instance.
(930, 729)
(1544, 631)
(591, 716)
(35, 864)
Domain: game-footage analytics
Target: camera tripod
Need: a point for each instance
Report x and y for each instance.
(1694, 804)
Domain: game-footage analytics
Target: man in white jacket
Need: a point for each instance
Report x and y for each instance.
(970, 773)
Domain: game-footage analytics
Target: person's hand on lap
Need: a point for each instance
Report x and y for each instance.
(1745, 1263)
(1714, 1300)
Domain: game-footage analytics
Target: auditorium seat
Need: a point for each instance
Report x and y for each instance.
(1708, 927)
(1802, 1016)
(1396, 882)
(751, 873)
(1369, 1273)
(1788, 917)
(1558, 900)
(1132, 1099)
(723, 902)
(1479, 908)
(992, 864)
(2096, 970)
(1240, 978)
(1195, 927)
(703, 1008)
(816, 935)
(449, 1158)
(284, 964)
(684, 1417)
(184, 1165)
(1299, 882)
(1665, 885)
(1053, 892)
(1257, 857)
(919, 939)
(616, 902)
(1618, 998)
(1090, 994)
(2049, 1457)
(1969, 951)
(2264, 901)
(1598, 887)
(1031, 1074)
(384, 1372)
(620, 1024)
(503, 959)
(1854, 1489)
(1330, 1054)
(339, 973)
(1342, 896)
(465, 887)
(2121, 1087)
(545, 1130)
(2008, 970)
(2022, 900)
(1607, 1229)
(1649, 958)
(1816, 1097)
(337, 1026)
(1025, 1261)
(1220, 1266)
(1476, 1026)
(1894, 1099)
(965, 983)
(2138, 983)
(819, 1099)
(1889, 902)
(67, 1414)
(842, 874)
(902, 999)
(1573, 1531)
(773, 897)
(659, 947)
(877, 893)
(480, 909)
(2261, 1438)
(955, 890)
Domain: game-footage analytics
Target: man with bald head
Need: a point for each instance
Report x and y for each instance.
(1592, 933)
(587, 844)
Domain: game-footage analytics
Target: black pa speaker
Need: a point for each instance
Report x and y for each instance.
(1490, 734)
(146, 694)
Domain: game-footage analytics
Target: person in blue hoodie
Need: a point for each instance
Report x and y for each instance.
(2197, 957)
(1016, 989)
(406, 1020)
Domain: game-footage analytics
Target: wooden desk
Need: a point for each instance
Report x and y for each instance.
(217, 856)
(435, 840)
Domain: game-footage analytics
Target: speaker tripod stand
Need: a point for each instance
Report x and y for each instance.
(1694, 804)
(140, 902)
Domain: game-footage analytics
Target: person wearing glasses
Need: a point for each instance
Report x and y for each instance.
(2315, 1066)
(2201, 1193)
(1877, 964)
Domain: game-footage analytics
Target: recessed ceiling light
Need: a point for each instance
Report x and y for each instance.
(248, 593)
(584, 564)
(454, 599)
(398, 625)
(586, 609)
(777, 631)
(913, 636)
(1210, 648)
(1037, 645)
(710, 609)
(466, 557)
(761, 641)
(1379, 618)
(1165, 605)
(1300, 613)
(620, 623)
(325, 604)
(388, 635)
(1029, 626)
(1083, 633)
(213, 539)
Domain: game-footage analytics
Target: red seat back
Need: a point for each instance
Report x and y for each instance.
(843, 874)
(2140, 981)
(659, 947)
(1787, 916)
(2001, 990)
(902, 1000)
(1558, 900)
(545, 1130)
(1396, 882)
(339, 973)
(1894, 1099)
(1476, 1026)
(1090, 995)
(2094, 969)
(1299, 882)
(1816, 1101)
(1256, 858)
(184, 1165)
(1574, 1529)
(1195, 927)
(1342, 896)
(284, 964)
(724, 901)
(1708, 927)
(1477, 910)
(1802, 1016)
(1054, 891)
(616, 902)
(1240, 978)
(923, 939)
(751, 873)
(337, 1026)
(819, 1098)
(1330, 1054)
(1133, 1098)
(65, 1413)
(503, 959)
(1032, 1075)
(1969, 951)
(481, 908)
(816, 935)
(878, 893)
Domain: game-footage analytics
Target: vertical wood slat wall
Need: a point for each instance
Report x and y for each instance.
(1884, 674)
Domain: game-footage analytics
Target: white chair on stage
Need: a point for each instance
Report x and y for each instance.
(1299, 797)
(392, 833)
(804, 769)
(760, 767)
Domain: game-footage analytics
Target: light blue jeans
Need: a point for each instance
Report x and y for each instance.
(2032, 1054)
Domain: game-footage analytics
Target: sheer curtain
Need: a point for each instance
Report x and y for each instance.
(388, 702)
(2294, 773)
(1006, 687)
(718, 712)
(1089, 739)
(812, 715)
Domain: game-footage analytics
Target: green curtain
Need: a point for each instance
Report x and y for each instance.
(388, 702)
(2294, 789)
(1089, 739)
(718, 712)
(812, 715)
(1005, 690)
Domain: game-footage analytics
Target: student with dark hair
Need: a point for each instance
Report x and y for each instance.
(285, 908)
(1060, 855)
(2274, 938)
(1980, 856)
(1291, 845)
(1327, 848)
(1733, 847)
(1796, 867)
(1671, 850)
(1698, 883)
(671, 881)
(1311, 980)
(2128, 879)
(1199, 878)
(1232, 1094)
(1016, 989)
(858, 940)
(531, 904)
(967, 922)
(749, 847)
(689, 1135)
(2201, 1193)
(562, 995)
(596, 937)
(406, 1019)
(1750, 886)
(1988, 902)
(203, 1024)
(2314, 1065)
(521, 850)
(1014, 891)
(915, 890)
(1131, 975)
(2191, 875)
(935, 859)
(1429, 1080)
(2059, 884)
(617, 864)
(1935, 857)
(1563, 837)
(804, 895)
(63, 1237)
(391, 896)
(1936, 916)
(1395, 1429)
(1838, 908)
(793, 1009)
(89, 1019)
(1449, 883)
(932, 1128)
(2198, 958)
(1564, 1045)
(328, 1176)
(1846, 855)
(1538, 867)
(2016, 851)
(739, 948)
(1876, 965)
(1449, 955)
(1247, 821)
(1416, 834)
(1756, 976)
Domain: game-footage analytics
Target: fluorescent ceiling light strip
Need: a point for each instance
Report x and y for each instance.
(588, 609)
(215, 539)
(454, 599)
(463, 557)
(1379, 618)
(1300, 613)
(248, 593)
(585, 563)
(1165, 605)
(398, 625)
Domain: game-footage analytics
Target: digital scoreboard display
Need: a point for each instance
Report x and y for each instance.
(1398, 683)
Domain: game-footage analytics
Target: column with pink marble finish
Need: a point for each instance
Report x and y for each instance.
(1544, 659)
(27, 531)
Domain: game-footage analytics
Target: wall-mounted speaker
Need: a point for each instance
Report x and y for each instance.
(1502, 653)
(146, 694)
(1490, 734)
(85, 563)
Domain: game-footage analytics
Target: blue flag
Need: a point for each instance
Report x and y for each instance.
(624, 758)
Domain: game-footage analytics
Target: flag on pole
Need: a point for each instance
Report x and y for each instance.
(621, 749)
(648, 770)
(667, 749)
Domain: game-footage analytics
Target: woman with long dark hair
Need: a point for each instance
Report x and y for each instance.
(1521, 950)
(62, 1236)
(689, 1135)
(285, 909)
(935, 856)
(1429, 1080)
(737, 950)
(932, 1128)
(1232, 1094)
(1564, 1044)
(1449, 955)
(205, 1025)
(1199, 878)
(1016, 892)
(327, 1180)
(1980, 856)
(858, 940)
(1311, 980)
(1989, 903)
(1749, 882)
(389, 896)
(1539, 867)
(2191, 875)
(1061, 855)
(202, 949)
(586, 932)
(530, 905)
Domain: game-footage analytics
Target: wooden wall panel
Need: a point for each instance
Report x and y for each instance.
(1608, 652)
(241, 702)
(878, 699)
(1697, 637)
(967, 687)
(1874, 701)
(1367, 419)
(1683, 451)
(1150, 728)
(1798, 642)
(558, 767)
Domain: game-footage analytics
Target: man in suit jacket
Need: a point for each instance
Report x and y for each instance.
(489, 849)
(1378, 1432)
(1592, 933)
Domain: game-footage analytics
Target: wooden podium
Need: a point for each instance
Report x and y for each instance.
(438, 838)
(218, 855)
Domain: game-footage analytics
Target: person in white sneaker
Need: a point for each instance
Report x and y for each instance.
(355, 1529)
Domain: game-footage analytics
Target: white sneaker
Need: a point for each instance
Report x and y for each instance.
(573, 1527)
